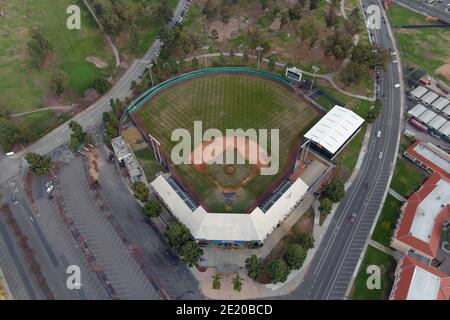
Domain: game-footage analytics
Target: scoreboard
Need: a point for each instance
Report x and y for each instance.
(294, 74)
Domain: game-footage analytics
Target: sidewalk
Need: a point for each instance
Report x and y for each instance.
(396, 195)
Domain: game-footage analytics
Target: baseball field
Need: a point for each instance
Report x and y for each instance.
(228, 101)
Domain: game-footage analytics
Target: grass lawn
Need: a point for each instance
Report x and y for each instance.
(347, 159)
(387, 221)
(43, 122)
(387, 265)
(148, 162)
(228, 102)
(424, 47)
(407, 177)
(25, 88)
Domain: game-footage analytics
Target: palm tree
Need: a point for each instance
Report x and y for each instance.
(237, 284)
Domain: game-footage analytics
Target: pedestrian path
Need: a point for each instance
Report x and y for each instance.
(396, 195)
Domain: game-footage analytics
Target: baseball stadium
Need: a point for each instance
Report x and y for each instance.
(229, 202)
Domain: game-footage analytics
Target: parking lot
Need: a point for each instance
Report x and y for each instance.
(112, 256)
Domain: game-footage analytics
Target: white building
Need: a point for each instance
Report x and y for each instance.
(334, 131)
(417, 110)
(418, 92)
(427, 116)
(437, 122)
(440, 103)
(429, 98)
(228, 227)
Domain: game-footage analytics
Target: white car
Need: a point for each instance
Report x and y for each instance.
(378, 134)
(397, 85)
(395, 61)
(380, 155)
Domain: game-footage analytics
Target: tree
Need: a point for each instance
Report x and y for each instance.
(264, 4)
(74, 143)
(135, 38)
(245, 56)
(194, 63)
(374, 112)
(335, 191)
(40, 165)
(190, 253)
(325, 206)
(306, 240)
(295, 256)
(9, 134)
(237, 283)
(272, 62)
(59, 83)
(295, 13)
(278, 271)
(209, 10)
(225, 12)
(38, 48)
(254, 266)
(216, 281)
(152, 208)
(331, 17)
(4, 112)
(214, 34)
(141, 191)
(353, 24)
(101, 85)
(164, 12)
(77, 131)
(177, 235)
(354, 73)
(339, 44)
(313, 4)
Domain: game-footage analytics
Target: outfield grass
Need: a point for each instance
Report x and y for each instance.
(407, 177)
(387, 221)
(25, 88)
(387, 265)
(229, 102)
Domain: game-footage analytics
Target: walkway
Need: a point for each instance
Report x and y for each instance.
(380, 247)
(56, 108)
(396, 195)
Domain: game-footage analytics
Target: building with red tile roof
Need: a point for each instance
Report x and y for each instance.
(415, 280)
(423, 216)
(429, 157)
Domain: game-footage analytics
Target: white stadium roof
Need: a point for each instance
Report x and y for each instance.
(437, 122)
(226, 227)
(417, 110)
(418, 92)
(335, 128)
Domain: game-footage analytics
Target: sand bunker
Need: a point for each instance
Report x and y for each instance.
(97, 61)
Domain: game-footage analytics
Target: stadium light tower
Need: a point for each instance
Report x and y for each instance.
(315, 69)
(259, 48)
(206, 48)
(149, 67)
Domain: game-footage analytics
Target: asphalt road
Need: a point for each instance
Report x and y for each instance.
(333, 266)
(439, 10)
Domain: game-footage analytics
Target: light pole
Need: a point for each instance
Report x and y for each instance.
(315, 69)
(206, 48)
(259, 48)
(149, 67)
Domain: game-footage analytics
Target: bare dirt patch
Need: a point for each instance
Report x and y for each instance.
(444, 70)
(228, 30)
(99, 63)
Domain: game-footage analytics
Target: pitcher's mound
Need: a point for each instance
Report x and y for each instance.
(444, 70)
